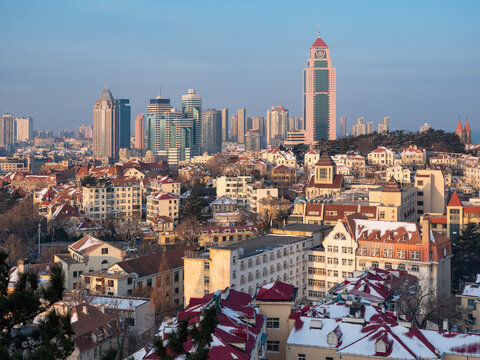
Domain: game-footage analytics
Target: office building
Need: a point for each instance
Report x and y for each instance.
(192, 110)
(319, 94)
(258, 123)
(24, 128)
(383, 126)
(343, 126)
(85, 131)
(277, 123)
(7, 130)
(234, 128)
(242, 125)
(224, 124)
(106, 127)
(140, 131)
(212, 131)
(156, 124)
(124, 122)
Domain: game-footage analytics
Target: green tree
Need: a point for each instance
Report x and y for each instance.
(466, 252)
(195, 204)
(200, 336)
(53, 337)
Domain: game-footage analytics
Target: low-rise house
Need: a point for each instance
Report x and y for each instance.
(87, 255)
(325, 181)
(469, 304)
(164, 184)
(413, 156)
(381, 157)
(163, 204)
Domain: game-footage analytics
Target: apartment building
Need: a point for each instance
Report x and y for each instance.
(255, 192)
(163, 204)
(399, 173)
(117, 199)
(87, 255)
(381, 157)
(430, 185)
(325, 181)
(234, 187)
(164, 184)
(356, 164)
(469, 305)
(247, 265)
(460, 214)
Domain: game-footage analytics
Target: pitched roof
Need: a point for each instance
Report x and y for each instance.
(277, 291)
(87, 244)
(455, 200)
(467, 127)
(337, 183)
(392, 186)
(319, 43)
(325, 160)
(459, 128)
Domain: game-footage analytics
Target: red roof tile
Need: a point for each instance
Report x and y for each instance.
(455, 200)
(319, 43)
(276, 291)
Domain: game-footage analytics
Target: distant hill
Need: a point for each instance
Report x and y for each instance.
(432, 140)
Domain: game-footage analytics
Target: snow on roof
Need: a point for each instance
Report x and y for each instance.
(224, 200)
(472, 290)
(117, 303)
(85, 243)
(370, 226)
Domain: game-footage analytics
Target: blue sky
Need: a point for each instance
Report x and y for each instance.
(414, 61)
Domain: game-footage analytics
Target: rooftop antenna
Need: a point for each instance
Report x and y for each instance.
(318, 30)
(106, 84)
(159, 92)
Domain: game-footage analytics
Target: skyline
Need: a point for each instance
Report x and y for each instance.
(394, 72)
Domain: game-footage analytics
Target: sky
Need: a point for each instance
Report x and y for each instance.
(415, 61)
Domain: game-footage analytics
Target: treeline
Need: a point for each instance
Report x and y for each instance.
(432, 140)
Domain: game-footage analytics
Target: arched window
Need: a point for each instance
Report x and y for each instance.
(388, 265)
(339, 236)
(104, 264)
(375, 264)
(401, 267)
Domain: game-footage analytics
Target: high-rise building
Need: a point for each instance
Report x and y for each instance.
(192, 109)
(253, 140)
(212, 131)
(258, 123)
(319, 93)
(292, 124)
(140, 131)
(383, 126)
(242, 126)
(360, 128)
(343, 126)
(124, 122)
(224, 124)
(234, 128)
(24, 128)
(7, 130)
(425, 127)
(370, 127)
(106, 127)
(277, 123)
(85, 131)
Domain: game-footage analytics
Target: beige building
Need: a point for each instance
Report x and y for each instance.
(469, 305)
(356, 164)
(87, 255)
(430, 185)
(256, 192)
(24, 128)
(163, 204)
(413, 156)
(399, 173)
(117, 199)
(325, 181)
(106, 115)
(381, 157)
(235, 187)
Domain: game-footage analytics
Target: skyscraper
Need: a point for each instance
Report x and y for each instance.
(140, 131)
(224, 124)
(192, 109)
(106, 127)
(253, 140)
(212, 131)
(319, 93)
(234, 128)
(242, 126)
(258, 123)
(124, 122)
(277, 123)
(85, 131)
(383, 126)
(7, 130)
(24, 128)
(343, 126)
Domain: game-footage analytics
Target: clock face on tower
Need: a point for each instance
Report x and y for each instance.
(320, 54)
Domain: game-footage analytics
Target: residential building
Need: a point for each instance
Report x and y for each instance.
(239, 334)
(356, 164)
(311, 158)
(253, 140)
(469, 305)
(282, 178)
(425, 127)
(401, 174)
(85, 131)
(106, 117)
(211, 131)
(276, 301)
(124, 120)
(413, 156)
(271, 207)
(8, 164)
(24, 128)
(360, 128)
(179, 137)
(95, 332)
(383, 126)
(224, 124)
(87, 255)
(234, 187)
(276, 123)
(247, 265)
(7, 130)
(325, 180)
(258, 123)
(234, 128)
(255, 192)
(224, 235)
(381, 157)
(430, 185)
(343, 126)
(163, 204)
(460, 214)
(295, 137)
(140, 131)
(164, 184)
(192, 110)
(242, 125)
(319, 94)
(117, 199)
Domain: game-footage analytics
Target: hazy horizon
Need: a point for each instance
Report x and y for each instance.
(415, 62)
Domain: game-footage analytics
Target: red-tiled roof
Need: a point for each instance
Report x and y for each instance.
(455, 200)
(467, 127)
(276, 291)
(392, 186)
(459, 128)
(319, 43)
(325, 160)
(337, 183)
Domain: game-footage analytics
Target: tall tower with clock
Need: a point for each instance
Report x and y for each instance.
(319, 94)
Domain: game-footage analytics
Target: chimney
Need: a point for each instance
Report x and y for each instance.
(102, 308)
(84, 309)
(426, 231)
(445, 325)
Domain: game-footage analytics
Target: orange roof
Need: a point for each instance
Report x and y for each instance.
(459, 127)
(455, 200)
(319, 43)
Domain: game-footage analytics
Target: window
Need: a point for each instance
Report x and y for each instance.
(273, 346)
(401, 254)
(149, 282)
(415, 255)
(273, 323)
(234, 259)
(176, 276)
(415, 268)
(110, 283)
(302, 357)
(104, 264)
(401, 267)
(234, 275)
(388, 265)
(420, 183)
(129, 281)
(206, 280)
(104, 251)
(375, 264)
(206, 265)
(339, 236)
(75, 274)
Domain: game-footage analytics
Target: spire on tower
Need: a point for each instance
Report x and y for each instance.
(318, 30)
(159, 92)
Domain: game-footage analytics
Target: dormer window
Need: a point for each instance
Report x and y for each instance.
(381, 347)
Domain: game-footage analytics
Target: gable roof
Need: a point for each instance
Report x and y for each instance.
(277, 291)
(87, 244)
(455, 200)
